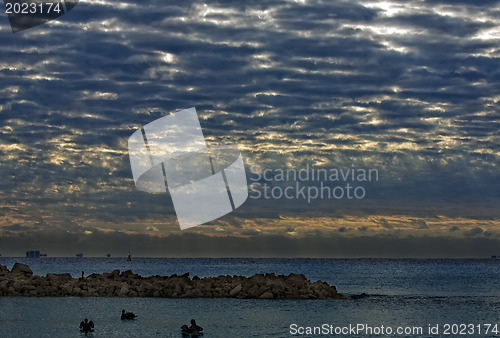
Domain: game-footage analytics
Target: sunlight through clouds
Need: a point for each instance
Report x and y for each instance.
(407, 87)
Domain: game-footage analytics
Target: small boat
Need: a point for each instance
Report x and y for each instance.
(129, 258)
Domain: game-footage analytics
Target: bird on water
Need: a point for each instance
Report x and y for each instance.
(192, 331)
(86, 326)
(128, 315)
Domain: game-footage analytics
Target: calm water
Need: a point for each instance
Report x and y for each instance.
(412, 293)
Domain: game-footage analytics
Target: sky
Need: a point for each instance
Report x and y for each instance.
(407, 88)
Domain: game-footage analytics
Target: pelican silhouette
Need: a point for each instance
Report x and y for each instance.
(195, 326)
(128, 315)
(86, 326)
(192, 331)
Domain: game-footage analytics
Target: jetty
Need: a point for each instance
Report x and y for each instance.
(20, 281)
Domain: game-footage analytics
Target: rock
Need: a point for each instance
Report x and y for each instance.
(258, 279)
(21, 268)
(294, 279)
(129, 274)
(17, 285)
(144, 287)
(267, 295)
(60, 276)
(237, 289)
(123, 291)
(113, 274)
(67, 288)
(253, 292)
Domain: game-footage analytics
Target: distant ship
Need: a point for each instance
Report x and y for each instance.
(129, 258)
(79, 255)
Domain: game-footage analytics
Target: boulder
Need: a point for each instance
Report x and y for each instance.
(59, 276)
(21, 268)
(123, 290)
(112, 275)
(267, 295)
(129, 274)
(236, 290)
(68, 288)
(253, 292)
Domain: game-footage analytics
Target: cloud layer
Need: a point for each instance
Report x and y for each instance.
(408, 88)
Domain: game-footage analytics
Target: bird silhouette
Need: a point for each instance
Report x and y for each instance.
(192, 331)
(128, 315)
(86, 326)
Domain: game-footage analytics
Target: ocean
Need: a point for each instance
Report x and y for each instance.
(406, 298)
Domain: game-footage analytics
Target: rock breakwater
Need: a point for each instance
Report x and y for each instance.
(20, 281)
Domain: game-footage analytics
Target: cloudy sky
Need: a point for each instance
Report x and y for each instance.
(409, 88)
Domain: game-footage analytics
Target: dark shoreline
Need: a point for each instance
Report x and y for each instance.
(20, 281)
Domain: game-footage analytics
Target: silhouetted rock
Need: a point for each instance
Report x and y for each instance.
(21, 268)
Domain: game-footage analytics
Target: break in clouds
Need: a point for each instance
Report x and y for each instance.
(409, 88)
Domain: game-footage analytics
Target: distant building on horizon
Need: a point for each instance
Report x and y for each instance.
(33, 254)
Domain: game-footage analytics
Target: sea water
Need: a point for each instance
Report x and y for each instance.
(403, 293)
